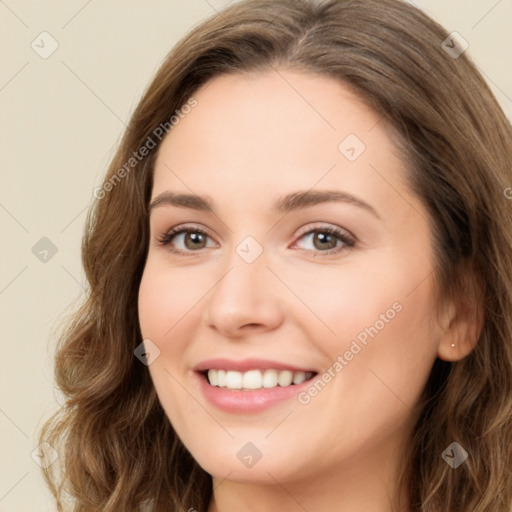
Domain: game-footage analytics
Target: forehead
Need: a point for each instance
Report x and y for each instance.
(275, 130)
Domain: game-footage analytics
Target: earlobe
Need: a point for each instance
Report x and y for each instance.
(461, 328)
(448, 347)
(454, 351)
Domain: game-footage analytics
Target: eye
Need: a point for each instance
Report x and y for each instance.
(327, 239)
(193, 243)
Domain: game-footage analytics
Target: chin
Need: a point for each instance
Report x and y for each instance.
(247, 462)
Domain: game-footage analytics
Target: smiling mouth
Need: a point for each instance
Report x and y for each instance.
(255, 379)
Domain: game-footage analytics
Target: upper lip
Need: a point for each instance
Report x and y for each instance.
(246, 365)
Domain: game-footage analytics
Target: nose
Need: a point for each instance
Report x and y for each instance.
(245, 299)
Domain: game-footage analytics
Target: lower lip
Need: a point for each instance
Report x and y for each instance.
(235, 400)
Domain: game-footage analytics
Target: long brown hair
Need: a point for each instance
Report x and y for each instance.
(117, 449)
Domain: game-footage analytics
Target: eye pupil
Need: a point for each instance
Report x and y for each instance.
(323, 238)
(196, 238)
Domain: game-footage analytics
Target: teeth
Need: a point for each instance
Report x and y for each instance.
(233, 380)
(252, 379)
(221, 378)
(256, 379)
(213, 377)
(270, 378)
(285, 378)
(299, 377)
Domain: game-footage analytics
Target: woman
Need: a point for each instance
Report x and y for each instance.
(226, 359)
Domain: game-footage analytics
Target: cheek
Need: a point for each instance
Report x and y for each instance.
(348, 300)
(163, 304)
(165, 296)
(380, 317)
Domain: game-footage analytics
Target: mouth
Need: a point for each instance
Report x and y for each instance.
(250, 385)
(255, 379)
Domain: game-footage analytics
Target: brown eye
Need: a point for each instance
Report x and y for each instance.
(192, 239)
(328, 240)
(324, 240)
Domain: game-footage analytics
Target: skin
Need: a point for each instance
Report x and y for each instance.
(250, 140)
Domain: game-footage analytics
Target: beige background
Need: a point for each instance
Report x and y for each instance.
(61, 118)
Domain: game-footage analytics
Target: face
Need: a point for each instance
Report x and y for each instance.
(294, 317)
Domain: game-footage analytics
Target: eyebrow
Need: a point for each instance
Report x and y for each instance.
(288, 203)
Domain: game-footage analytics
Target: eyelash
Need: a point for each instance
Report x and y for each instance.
(166, 238)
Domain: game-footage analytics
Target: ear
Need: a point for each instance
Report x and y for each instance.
(461, 323)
